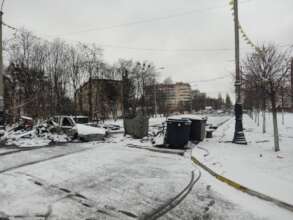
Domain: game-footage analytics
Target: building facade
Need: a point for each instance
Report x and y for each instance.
(169, 98)
(100, 98)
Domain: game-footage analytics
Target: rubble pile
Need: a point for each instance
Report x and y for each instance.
(24, 134)
(60, 129)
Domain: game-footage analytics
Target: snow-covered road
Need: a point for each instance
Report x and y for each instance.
(112, 181)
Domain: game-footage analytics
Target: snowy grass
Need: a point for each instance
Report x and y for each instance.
(255, 165)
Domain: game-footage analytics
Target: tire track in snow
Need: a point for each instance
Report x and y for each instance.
(41, 160)
(79, 198)
(175, 201)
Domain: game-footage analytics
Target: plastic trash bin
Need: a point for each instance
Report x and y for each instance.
(197, 129)
(178, 132)
(209, 133)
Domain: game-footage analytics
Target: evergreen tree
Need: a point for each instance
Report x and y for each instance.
(228, 103)
(220, 101)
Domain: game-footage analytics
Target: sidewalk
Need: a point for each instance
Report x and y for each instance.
(255, 165)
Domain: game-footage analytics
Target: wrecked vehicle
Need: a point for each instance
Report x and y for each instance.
(82, 119)
(25, 123)
(78, 130)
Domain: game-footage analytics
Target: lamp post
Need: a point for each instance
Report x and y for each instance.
(239, 137)
(2, 114)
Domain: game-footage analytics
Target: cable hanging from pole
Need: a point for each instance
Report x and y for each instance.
(210, 80)
(9, 26)
(2, 5)
(244, 36)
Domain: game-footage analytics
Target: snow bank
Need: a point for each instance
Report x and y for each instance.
(256, 165)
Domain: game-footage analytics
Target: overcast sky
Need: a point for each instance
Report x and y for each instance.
(192, 39)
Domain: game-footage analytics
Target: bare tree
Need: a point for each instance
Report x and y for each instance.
(269, 69)
(26, 75)
(57, 68)
(75, 73)
(91, 65)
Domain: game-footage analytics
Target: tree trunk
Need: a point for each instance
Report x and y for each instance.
(264, 122)
(258, 117)
(283, 117)
(255, 116)
(90, 99)
(282, 100)
(75, 102)
(264, 115)
(275, 123)
(80, 101)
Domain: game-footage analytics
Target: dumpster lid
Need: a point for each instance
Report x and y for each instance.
(182, 120)
(190, 117)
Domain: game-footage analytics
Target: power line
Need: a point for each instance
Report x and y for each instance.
(147, 49)
(2, 5)
(210, 80)
(168, 50)
(178, 49)
(185, 13)
(188, 50)
(9, 26)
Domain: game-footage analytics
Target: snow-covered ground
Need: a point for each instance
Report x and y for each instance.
(155, 122)
(111, 180)
(255, 165)
(286, 129)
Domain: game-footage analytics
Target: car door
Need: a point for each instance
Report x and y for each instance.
(68, 126)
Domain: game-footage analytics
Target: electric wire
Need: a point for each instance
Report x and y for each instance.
(2, 4)
(149, 20)
(210, 80)
(177, 50)
(9, 26)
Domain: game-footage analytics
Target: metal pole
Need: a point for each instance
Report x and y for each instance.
(1, 78)
(292, 84)
(239, 137)
(155, 90)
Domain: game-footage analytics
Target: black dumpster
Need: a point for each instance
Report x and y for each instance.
(197, 129)
(209, 133)
(178, 131)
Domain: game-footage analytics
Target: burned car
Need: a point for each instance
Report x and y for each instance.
(77, 130)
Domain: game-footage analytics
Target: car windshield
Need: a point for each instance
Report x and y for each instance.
(81, 120)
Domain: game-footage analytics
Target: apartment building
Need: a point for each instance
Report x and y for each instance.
(173, 97)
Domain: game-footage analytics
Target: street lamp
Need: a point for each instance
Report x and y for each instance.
(239, 137)
(2, 114)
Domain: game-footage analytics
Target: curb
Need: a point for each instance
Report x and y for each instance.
(244, 189)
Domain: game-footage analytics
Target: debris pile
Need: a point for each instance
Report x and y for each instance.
(59, 129)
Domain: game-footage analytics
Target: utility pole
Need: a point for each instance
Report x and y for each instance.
(292, 84)
(155, 93)
(2, 120)
(239, 137)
